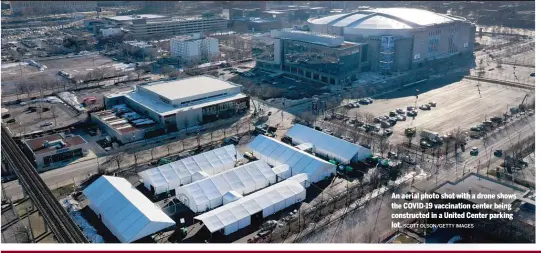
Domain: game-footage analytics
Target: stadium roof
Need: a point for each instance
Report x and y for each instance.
(126, 212)
(171, 175)
(223, 216)
(385, 18)
(333, 146)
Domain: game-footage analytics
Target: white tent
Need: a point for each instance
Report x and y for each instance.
(169, 176)
(231, 196)
(282, 172)
(208, 193)
(125, 211)
(277, 153)
(237, 215)
(327, 145)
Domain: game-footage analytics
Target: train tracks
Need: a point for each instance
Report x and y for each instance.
(57, 219)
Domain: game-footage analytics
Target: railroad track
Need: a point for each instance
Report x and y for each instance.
(58, 220)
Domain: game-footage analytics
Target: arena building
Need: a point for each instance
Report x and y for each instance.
(401, 38)
(172, 105)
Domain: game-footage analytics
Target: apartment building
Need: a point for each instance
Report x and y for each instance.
(194, 48)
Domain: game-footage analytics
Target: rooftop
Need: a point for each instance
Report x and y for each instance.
(133, 17)
(188, 87)
(36, 145)
(386, 18)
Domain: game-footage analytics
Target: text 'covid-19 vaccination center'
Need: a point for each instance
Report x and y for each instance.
(277, 153)
(211, 192)
(327, 145)
(169, 176)
(124, 210)
(256, 206)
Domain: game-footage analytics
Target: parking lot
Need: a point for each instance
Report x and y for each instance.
(26, 121)
(459, 104)
(32, 76)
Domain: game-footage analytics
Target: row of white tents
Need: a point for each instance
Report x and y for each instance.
(238, 214)
(211, 192)
(172, 175)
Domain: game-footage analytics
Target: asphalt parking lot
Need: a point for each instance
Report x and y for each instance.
(77, 66)
(59, 115)
(459, 104)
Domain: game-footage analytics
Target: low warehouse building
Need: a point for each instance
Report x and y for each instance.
(209, 193)
(172, 175)
(125, 211)
(55, 148)
(277, 153)
(327, 145)
(240, 213)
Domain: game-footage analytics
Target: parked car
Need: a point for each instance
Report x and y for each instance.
(400, 111)
(401, 117)
(425, 107)
(388, 132)
(412, 113)
(409, 160)
(474, 151)
(411, 108)
(392, 113)
(432, 104)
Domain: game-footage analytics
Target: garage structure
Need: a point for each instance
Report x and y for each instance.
(277, 153)
(169, 176)
(327, 145)
(125, 211)
(256, 206)
(214, 191)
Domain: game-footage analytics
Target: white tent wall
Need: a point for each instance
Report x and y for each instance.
(125, 211)
(169, 176)
(327, 145)
(276, 153)
(208, 193)
(237, 215)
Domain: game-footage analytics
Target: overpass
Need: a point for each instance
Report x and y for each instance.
(58, 220)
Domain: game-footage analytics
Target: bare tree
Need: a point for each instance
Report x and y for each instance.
(152, 150)
(367, 117)
(137, 155)
(170, 146)
(118, 158)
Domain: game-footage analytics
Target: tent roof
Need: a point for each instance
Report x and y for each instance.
(323, 141)
(127, 213)
(298, 160)
(225, 215)
(178, 170)
(236, 179)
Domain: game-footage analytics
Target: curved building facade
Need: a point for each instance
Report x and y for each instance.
(401, 38)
